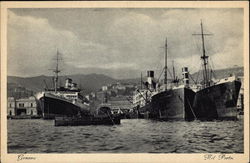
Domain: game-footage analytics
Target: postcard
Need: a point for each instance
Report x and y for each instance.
(125, 81)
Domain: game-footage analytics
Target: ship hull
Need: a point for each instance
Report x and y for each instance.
(174, 104)
(52, 106)
(218, 101)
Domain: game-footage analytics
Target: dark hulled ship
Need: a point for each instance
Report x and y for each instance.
(207, 100)
(215, 100)
(175, 102)
(62, 101)
(218, 101)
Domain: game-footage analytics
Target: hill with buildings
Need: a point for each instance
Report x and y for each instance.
(87, 83)
(93, 82)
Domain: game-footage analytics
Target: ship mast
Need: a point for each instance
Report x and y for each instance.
(173, 70)
(141, 80)
(56, 71)
(204, 57)
(165, 68)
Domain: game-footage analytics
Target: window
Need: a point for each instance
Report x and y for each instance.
(31, 104)
(10, 105)
(21, 104)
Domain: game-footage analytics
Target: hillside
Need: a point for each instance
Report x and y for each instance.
(218, 74)
(88, 83)
(93, 82)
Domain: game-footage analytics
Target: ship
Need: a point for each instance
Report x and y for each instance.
(171, 100)
(215, 99)
(175, 101)
(142, 96)
(62, 101)
(103, 116)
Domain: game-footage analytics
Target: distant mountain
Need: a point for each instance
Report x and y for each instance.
(135, 80)
(220, 73)
(93, 82)
(88, 83)
(17, 91)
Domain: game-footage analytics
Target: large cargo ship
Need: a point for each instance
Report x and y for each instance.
(208, 100)
(62, 101)
(173, 102)
(215, 100)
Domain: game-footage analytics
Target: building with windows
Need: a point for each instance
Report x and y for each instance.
(11, 106)
(23, 106)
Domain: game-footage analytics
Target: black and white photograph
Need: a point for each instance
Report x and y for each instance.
(127, 79)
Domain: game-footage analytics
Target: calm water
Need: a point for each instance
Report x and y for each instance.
(132, 136)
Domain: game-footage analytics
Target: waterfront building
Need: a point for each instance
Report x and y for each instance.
(11, 106)
(26, 106)
(23, 106)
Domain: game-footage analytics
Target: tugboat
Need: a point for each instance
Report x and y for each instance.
(215, 100)
(62, 101)
(103, 116)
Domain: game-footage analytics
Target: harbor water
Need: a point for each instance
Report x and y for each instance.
(132, 136)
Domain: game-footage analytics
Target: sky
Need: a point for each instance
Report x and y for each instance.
(121, 43)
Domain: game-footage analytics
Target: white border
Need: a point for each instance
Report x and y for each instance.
(121, 157)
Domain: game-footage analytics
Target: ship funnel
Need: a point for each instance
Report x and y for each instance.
(74, 86)
(185, 76)
(68, 83)
(151, 84)
(150, 76)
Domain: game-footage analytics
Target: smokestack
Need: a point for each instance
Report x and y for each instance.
(68, 83)
(150, 75)
(185, 76)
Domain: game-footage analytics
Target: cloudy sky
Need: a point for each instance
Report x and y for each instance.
(120, 43)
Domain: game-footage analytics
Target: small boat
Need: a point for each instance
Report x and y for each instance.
(74, 121)
(103, 117)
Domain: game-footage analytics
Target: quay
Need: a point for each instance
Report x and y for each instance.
(24, 117)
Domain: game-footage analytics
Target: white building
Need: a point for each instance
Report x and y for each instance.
(24, 106)
(11, 106)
